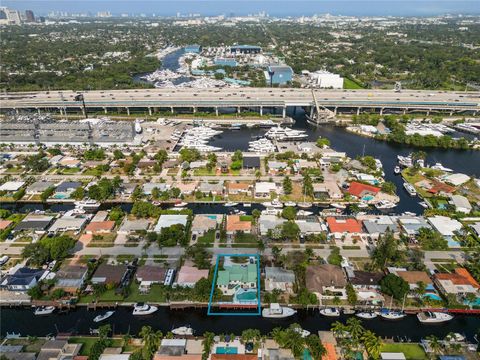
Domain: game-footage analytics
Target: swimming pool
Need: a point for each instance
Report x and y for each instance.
(226, 350)
(432, 296)
(474, 303)
(245, 295)
(60, 196)
(367, 198)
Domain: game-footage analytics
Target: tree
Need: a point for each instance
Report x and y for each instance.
(386, 251)
(335, 258)
(290, 230)
(389, 187)
(429, 239)
(161, 156)
(421, 290)
(117, 154)
(289, 213)
(434, 343)
(251, 335)
(395, 286)
(351, 294)
(35, 292)
(189, 155)
(322, 142)
(208, 340)
(372, 344)
(287, 185)
(315, 346)
(47, 193)
(307, 187)
(237, 156)
(78, 193)
(48, 249)
(151, 341)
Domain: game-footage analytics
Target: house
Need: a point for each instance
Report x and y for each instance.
(69, 162)
(270, 222)
(148, 187)
(198, 164)
(327, 190)
(23, 279)
(70, 278)
(342, 226)
(367, 286)
(456, 179)
(189, 275)
(69, 223)
(326, 281)
(447, 227)
(101, 215)
(380, 225)
(39, 187)
(100, 227)
(109, 274)
(235, 275)
(360, 190)
(277, 167)
(58, 349)
(237, 188)
(66, 188)
(147, 275)
(186, 188)
(11, 186)
(279, 278)
(413, 278)
(411, 225)
(166, 221)
(251, 162)
(214, 188)
(5, 224)
(127, 189)
(309, 226)
(235, 223)
(460, 282)
(130, 226)
(34, 222)
(179, 349)
(461, 204)
(263, 189)
(146, 163)
(203, 223)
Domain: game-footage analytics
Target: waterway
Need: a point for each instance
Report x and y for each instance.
(80, 321)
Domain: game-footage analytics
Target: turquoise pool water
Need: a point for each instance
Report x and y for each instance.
(213, 217)
(475, 303)
(227, 350)
(248, 295)
(432, 296)
(367, 198)
(59, 196)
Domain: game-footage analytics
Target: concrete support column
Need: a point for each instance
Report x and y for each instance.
(194, 109)
(61, 112)
(171, 109)
(261, 110)
(451, 113)
(311, 112)
(128, 111)
(358, 111)
(381, 111)
(82, 109)
(335, 111)
(105, 110)
(38, 111)
(239, 110)
(150, 111)
(216, 110)
(284, 112)
(404, 111)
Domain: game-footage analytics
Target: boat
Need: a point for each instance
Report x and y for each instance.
(13, 335)
(330, 312)
(261, 145)
(410, 189)
(247, 205)
(397, 170)
(385, 204)
(338, 206)
(423, 204)
(270, 211)
(103, 317)
(44, 310)
(284, 134)
(433, 317)
(348, 311)
(290, 203)
(392, 314)
(230, 203)
(439, 166)
(183, 331)
(274, 203)
(275, 311)
(87, 204)
(405, 161)
(304, 213)
(180, 204)
(362, 205)
(144, 309)
(138, 127)
(304, 205)
(366, 315)
(267, 123)
(303, 333)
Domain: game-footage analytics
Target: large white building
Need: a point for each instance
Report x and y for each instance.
(9, 16)
(326, 80)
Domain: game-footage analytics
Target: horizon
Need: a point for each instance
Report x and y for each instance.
(284, 8)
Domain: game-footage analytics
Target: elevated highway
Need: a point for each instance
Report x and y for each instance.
(153, 100)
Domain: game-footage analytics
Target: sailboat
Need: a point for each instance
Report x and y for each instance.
(389, 314)
(304, 204)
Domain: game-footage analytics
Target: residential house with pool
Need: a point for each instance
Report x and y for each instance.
(237, 279)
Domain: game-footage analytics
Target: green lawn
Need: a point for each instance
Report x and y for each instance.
(350, 84)
(69, 171)
(87, 343)
(204, 172)
(208, 238)
(156, 294)
(245, 240)
(411, 351)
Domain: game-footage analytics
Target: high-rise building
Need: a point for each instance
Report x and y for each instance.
(9, 16)
(29, 16)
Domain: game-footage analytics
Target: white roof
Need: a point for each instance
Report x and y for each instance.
(168, 220)
(114, 357)
(392, 356)
(265, 187)
(456, 179)
(174, 342)
(445, 225)
(12, 185)
(461, 202)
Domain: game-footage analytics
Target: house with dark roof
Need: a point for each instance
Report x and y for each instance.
(326, 281)
(367, 286)
(34, 223)
(279, 278)
(251, 162)
(147, 275)
(71, 278)
(22, 279)
(109, 274)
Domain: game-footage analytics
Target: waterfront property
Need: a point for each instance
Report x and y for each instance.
(326, 281)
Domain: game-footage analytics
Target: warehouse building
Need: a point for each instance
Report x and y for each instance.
(282, 74)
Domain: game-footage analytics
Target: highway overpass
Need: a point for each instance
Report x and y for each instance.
(153, 100)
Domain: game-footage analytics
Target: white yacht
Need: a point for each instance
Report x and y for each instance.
(271, 211)
(405, 161)
(385, 204)
(275, 203)
(432, 317)
(103, 317)
(423, 204)
(439, 166)
(276, 311)
(144, 309)
(290, 203)
(392, 315)
(304, 213)
(262, 145)
(397, 170)
(366, 315)
(304, 205)
(284, 134)
(330, 312)
(230, 204)
(180, 204)
(267, 123)
(338, 206)
(87, 204)
(44, 310)
(410, 189)
(247, 205)
(183, 331)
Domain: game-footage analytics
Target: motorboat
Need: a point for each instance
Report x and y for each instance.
(87, 204)
(267, 123)
(338, 206)
(348, 311)
(284, 134)
(183, 331)
(423, 204)
(103, 317)
(274, 203)
(144, 309)
(304, 205)
(366, 315)
(405, 161)
(385, 204)
(270, 211)
(304, 213)
(433, 317)
(392, 315)
(247, 205)
(44, 310)
(397, 170)
(230, 203)
(410, 189)
(362, 205)
(290, 203)
(439, 166)
(275, 311)
(261, 145)
(330, 312)
(180, 204)
(303, 333)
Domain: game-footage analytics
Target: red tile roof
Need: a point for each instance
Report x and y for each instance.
(233, 357)
(358, 189)
(344, 225)
(460, 277)
(100, 226)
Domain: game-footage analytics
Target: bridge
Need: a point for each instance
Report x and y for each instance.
(257, 99)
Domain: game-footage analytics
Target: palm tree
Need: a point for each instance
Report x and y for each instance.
(315, 346)
(355, 328)
(338, 328)
(420, 290)
(372, 344)
(104, 330)
(208, 339)
(249, 335)
(151, 341)
(434, 343)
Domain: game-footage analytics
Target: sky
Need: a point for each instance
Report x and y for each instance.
(280, 8)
